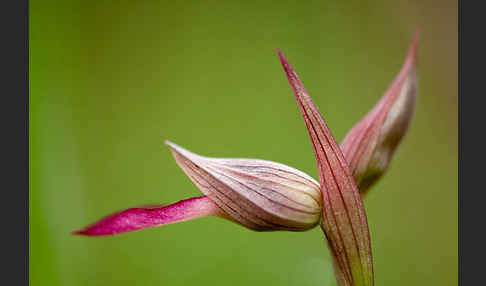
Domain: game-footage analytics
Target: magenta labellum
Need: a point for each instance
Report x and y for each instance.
(143, 217)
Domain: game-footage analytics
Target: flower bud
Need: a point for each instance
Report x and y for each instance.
(258, 194)
(369, 146)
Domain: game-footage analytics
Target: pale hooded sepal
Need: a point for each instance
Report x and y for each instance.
(343, 215)
(259, 194)
(369, 146)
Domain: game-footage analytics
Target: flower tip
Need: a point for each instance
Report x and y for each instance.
(176, 148)
(85, 232)
(294, 81)
(178, 151)
(284, 62)
(280, 55)
(412, 52)
(416, 34)
(77, 232)
(168, 143)
(88, 231)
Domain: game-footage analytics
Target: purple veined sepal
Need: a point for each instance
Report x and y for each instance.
(149, 216)
(370, 145)
(344, 219)
(258, 194)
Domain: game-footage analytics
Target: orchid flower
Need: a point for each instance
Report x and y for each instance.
(260, 195)
(264, 195)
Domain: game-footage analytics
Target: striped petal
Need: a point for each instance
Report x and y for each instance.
(258, 194)
(343, 215)
(370, 144)
(143, 217)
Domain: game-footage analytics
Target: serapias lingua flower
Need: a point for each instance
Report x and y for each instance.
(258, 194)
(263, 195)
(400, 96)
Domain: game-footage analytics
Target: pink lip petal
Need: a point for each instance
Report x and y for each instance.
(344, 219)
(143, 217)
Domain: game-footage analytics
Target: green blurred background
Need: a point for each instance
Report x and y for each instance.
(110, 80)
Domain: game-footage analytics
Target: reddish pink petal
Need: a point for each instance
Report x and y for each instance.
(370, 144)
(344, 219)
(143, 217)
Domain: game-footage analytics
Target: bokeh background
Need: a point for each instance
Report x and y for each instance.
(110, 80)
